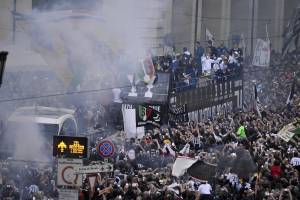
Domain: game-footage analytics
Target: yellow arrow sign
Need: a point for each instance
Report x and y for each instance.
(62, 146)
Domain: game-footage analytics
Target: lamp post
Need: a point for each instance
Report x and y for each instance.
(3, 56)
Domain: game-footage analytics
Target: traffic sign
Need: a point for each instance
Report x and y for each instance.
(65, 172)
(106, 149)
(91, 169)
(70, 147)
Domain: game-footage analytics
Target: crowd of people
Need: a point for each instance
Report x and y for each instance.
(273, 83)
(209, 61)
(250, 160)
(148, 162)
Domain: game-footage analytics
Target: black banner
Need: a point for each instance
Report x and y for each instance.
(148, 115)
(202, 171)
(178, 114)
(70, 147)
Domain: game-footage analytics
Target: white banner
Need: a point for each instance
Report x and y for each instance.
(181, 164)
(129, 119)
(285, 133)
(262, 53)
(65, 172)
(66, 194)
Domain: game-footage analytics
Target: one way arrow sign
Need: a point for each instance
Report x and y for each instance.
(90, 169)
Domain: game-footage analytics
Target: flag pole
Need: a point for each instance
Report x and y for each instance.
(267, 32)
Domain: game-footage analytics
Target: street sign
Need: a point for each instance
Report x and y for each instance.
(70, 147)
(66, 194)
(106, 149)
(65, 172)
(91, 169)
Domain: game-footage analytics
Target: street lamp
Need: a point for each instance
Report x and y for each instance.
(3, 56)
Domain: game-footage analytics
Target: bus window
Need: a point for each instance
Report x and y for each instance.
(49, 129)
(68, 128)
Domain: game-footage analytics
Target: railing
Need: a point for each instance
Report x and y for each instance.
(203, 81)
(210, 91)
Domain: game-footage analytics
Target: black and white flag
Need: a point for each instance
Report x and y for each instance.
(256, 101)
(292, 92)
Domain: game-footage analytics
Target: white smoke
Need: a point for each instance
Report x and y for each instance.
(87, 49)
(30, 144)
(87, 44)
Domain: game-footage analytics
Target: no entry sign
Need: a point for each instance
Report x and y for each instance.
(106, 149)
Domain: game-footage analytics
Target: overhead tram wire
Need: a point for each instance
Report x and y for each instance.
(68, 93)
(103, 89)
(59, 94)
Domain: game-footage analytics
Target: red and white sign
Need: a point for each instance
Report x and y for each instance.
(93, 179)
(65, 172)
(106, 149)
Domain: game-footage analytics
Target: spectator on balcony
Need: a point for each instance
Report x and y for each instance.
(186, 56)
(199, 51)
(233, 62)
(213, 49)
(222, 50)
(175, 63)
(165, 62)
(237, 53)
(207, 63)
(224, 63)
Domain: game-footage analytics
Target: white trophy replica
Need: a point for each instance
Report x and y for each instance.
(117, 93)
(132, 92)
(150, 81)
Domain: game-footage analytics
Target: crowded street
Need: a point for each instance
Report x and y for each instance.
(149, 100)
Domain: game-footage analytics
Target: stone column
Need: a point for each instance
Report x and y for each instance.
(182, 23)
(6, 22)
(279, 24)
(225, 21)
(24, 6)
(252, 38)
(195, 20)
(167, 13)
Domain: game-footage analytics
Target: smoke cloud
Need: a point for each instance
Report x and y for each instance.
(81, 48)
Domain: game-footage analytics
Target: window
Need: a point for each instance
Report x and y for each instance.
(64, 5)
(68, 128)
(49, 129)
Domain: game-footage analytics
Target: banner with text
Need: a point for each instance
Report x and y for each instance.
(178, 114)
(262, 53)
(288, 132)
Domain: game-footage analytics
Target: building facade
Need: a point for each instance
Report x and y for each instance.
(186, 21)
(228, 20)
